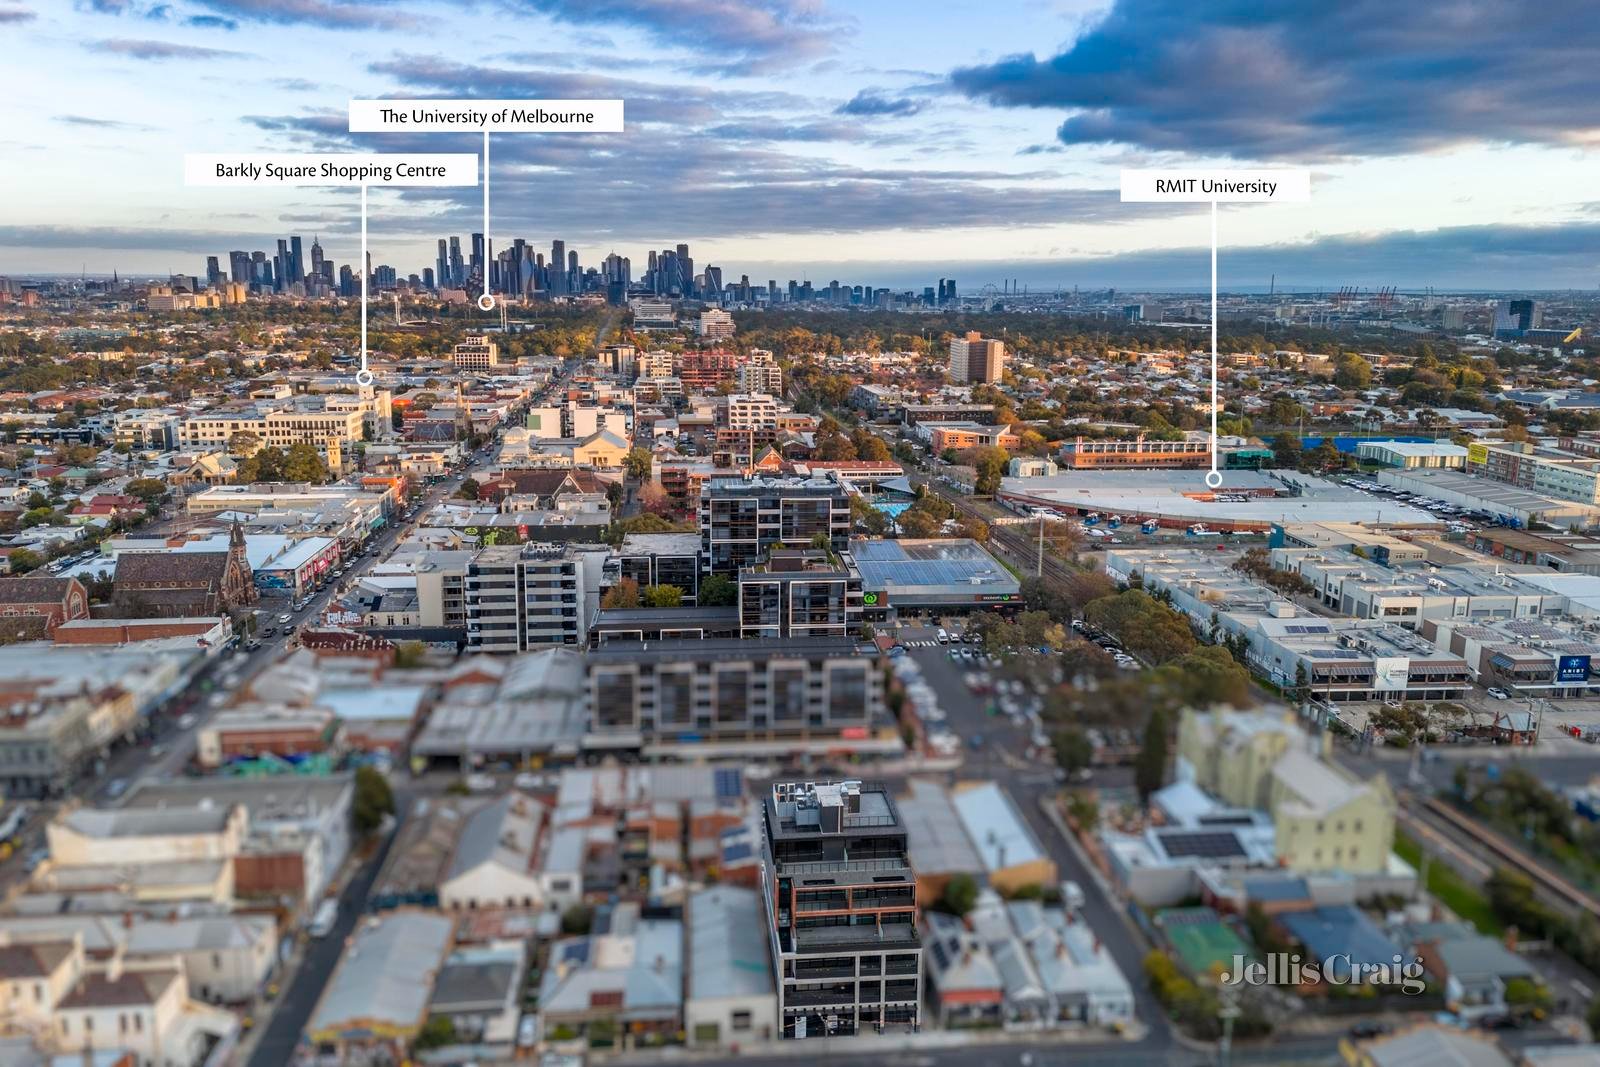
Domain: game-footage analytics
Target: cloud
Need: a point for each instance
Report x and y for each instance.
(645, 101)
(1306, 79)
(328, 14)
(872, 102)
(15, 15)
(161, 50)
(211, 22)
(117, 238)
(733, 36)
(97, 123)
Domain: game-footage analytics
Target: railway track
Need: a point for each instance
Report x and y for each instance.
(1552, 888)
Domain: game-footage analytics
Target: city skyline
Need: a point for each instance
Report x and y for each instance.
(795, 139)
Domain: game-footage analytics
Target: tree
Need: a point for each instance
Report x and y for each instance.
(990, 465)
(302, 463)
(373, 800)
(438, 1032)
(1286, 450)
(654, 499)
(1074, 750)
(960, 895)
(23, 560)
(409, 655)
(717, 591)
(915, 522)
(470, 489)
(576, 920)
(622, 596)
(1350, 371)
(1150, 766)
(662, 596)
(150, 490)
(244, 443)
(638, 464)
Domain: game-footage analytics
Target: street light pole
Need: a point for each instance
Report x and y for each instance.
(1227, 1011)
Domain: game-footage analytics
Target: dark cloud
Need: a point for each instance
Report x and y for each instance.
(211, 22)
(15, 15)
(733, 36)
(160, 50)
(1307, 79)
(873, 102)
(328, 14)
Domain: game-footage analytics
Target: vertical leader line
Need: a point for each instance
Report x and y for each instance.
(486, 301)
(1214, 475)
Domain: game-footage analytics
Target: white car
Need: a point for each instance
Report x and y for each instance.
(284, 620)
(1498, 694)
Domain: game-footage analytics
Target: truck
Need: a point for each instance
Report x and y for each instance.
(327, 914)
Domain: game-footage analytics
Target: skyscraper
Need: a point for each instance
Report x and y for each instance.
(442, 265)
(477, 265)
(297, 263)
(458, 269)
(239, 267)
(316, 256)
(558, 268)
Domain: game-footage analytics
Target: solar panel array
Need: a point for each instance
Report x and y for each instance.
(1203, 845)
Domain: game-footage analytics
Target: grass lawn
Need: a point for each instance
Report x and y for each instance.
(1461, 897)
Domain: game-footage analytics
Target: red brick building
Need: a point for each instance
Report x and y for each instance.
(33, 607)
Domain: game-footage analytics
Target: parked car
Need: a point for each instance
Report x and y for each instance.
(1497, 693)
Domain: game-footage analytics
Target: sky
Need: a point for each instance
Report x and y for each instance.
(1452, 143)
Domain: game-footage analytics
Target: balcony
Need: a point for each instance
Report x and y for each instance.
(891, 935)
(815, 997)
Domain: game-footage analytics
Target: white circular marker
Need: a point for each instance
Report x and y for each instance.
(363, 377)
(1214, 479)
(485, 302)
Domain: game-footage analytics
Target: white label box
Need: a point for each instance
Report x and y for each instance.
(310, 168)
(493, 116)
(1180, 185)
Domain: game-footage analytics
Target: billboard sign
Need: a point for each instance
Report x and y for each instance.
(1572, 669)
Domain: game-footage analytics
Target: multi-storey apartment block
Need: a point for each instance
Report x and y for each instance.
(523, 596)
(742, 518)
(841, 907)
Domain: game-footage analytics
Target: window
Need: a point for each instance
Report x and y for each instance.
(741, 1020)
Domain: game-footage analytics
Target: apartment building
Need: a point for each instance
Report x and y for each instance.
(778, 694)
(714, 324)
(800, 593)
(519, 597)
(1082, 454)
(841, 909)
(475, 352)
(975, 358)
(742, 518)
(752, 411)
(761, 375)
